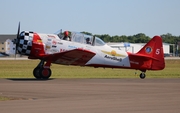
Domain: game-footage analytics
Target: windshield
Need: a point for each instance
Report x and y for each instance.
(99, 42)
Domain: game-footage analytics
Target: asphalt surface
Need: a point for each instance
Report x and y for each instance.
(90, 96)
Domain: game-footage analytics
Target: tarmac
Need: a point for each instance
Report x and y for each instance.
(90, 96)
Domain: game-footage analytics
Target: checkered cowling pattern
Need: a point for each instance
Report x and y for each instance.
(25, 42)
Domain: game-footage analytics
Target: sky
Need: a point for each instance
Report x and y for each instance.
(112, 17)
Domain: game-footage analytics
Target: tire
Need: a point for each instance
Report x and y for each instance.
(36, 73)
(142, 75)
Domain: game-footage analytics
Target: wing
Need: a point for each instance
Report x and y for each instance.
(72, 57)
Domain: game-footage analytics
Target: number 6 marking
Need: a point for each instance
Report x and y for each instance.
(157, 51)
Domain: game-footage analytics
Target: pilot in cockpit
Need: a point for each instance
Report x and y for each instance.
(66, 36)
(88, 41)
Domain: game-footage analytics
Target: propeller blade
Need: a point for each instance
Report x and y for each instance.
(18, 31)
(17, 39)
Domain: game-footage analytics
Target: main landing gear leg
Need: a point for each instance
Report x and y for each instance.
(42, 71)
(142, 75)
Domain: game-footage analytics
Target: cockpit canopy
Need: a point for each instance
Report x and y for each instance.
(83, 38)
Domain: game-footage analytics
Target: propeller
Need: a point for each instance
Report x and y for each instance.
(16, 41)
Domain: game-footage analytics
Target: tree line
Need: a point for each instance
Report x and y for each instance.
(137, 38)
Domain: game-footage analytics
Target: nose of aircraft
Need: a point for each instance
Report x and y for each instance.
(23, 42)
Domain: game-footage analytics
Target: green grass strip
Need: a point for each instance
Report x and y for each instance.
(24, 69)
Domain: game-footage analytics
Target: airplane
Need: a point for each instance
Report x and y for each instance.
(51, 48)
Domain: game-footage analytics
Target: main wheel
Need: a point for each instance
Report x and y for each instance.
(45, 73)
(142, 75)
(36, 73)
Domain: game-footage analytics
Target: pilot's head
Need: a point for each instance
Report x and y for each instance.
(66, 33)
(87, 39)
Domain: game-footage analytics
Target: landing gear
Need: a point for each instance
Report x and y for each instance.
(142, 75)
(42, 71)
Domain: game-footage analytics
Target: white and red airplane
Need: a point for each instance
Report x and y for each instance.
(52, 48)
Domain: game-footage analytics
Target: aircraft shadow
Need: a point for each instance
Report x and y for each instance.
(28, 79)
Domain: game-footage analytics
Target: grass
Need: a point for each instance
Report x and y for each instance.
(24, 69)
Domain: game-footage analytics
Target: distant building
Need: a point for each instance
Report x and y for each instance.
(135, 47)
(9, 47)
(6, 44)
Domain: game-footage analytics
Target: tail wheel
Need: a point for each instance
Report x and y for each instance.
(36, 73)
(45, 73)
(142, 75)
